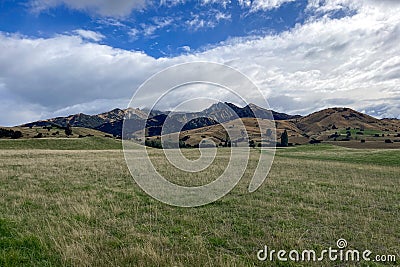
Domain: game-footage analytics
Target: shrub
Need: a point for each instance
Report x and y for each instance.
(39, 135)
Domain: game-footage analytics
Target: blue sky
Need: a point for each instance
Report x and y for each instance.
(159, 29)
(61, 57)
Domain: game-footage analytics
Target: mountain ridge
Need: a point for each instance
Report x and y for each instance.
(313, 125)
(111, 121)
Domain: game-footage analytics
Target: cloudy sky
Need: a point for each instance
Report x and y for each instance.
(61, 57)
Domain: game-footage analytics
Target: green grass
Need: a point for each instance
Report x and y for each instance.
(26, 249)
(91, 143)
(345, 155)
(82, 208)
(365, 132)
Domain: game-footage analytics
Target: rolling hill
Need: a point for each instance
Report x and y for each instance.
(331, 124)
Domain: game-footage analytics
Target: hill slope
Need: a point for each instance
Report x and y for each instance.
(338, 118)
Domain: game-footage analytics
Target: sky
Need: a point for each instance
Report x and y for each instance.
(62, 57)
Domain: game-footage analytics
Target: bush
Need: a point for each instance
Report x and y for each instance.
(39, 135)
(335, 135)
(157, 144)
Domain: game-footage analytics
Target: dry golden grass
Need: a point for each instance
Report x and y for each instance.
(82, 208)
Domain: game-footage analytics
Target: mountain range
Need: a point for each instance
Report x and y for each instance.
(111, 122)
(323, 125)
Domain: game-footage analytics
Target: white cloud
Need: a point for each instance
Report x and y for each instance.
(353, 61)
(196, 23)
(267, 4)
(209, 19)
(118, 8)
(326, 61)
(223, 3)
(149, 30)
(222, 16)
(186, 48)
(158, 23)
(62, 71)
(90, 35)
(134, 34)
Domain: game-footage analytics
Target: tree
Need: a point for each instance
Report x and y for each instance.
(284, 139)
(227, 141)
(68, 130)
(252, 143)
(16, 135)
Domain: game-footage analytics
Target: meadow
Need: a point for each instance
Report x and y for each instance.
(76, 204)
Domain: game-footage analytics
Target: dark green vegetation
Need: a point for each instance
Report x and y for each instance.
(284, 139)
(82, 208)
(8, 133)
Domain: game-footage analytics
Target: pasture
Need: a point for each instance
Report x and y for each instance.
(77, 205)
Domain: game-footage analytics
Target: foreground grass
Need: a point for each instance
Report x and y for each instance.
(82, 208)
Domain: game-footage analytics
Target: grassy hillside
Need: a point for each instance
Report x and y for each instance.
(91, 143)
(82, 208)
(55, 132)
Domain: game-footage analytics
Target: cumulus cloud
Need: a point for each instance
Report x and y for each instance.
(62, 71)
(118, 8)
(354, 57)
(353, 61)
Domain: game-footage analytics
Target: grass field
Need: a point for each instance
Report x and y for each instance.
(88, 143)
(69, 207)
